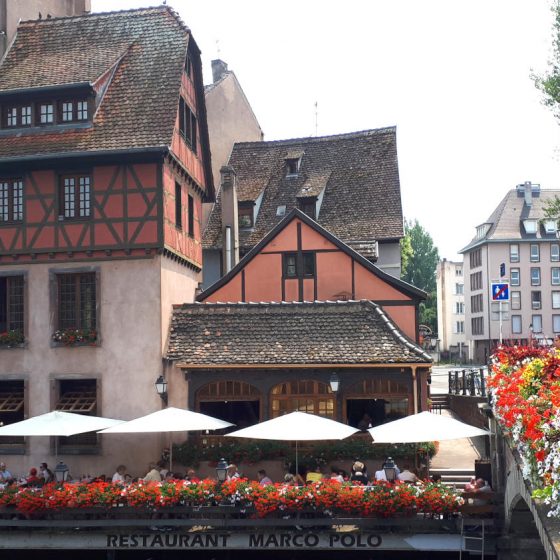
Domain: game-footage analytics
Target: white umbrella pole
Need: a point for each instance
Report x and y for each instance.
(170, 453)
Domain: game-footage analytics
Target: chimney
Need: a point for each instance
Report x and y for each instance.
(230, 222)
(528, 193)
(219, 68)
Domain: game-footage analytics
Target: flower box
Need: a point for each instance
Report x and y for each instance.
(75, 337)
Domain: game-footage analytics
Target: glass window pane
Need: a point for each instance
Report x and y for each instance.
(516, 324)
(47, 113)
(84, 196)
(12, 116)
(26, 115)
(82, 110)
(68, 111)
(556, 323)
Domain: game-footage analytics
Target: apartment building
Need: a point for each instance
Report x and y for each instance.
(519, 245)
(451, 310)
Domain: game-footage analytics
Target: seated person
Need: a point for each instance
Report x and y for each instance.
(33, 479)
(365, 422)
(313, 475)
(406, 475)
(335, 475)
(264, 479)
(358, 477)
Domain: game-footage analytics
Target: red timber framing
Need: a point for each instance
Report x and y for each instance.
(129, 215)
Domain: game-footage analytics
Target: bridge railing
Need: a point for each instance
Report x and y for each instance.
(467, 382)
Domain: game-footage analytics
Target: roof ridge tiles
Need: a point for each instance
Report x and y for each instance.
(145, 9)
(310, 139)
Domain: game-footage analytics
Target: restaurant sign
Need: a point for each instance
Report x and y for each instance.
(202, 540)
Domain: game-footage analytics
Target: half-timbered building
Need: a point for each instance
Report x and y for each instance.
(349, 183)
(298, 309)
(104, 166)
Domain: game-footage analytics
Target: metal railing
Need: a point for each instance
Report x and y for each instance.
(467, 382)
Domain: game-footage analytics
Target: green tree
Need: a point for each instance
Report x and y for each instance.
(549, 82)
(421, 260)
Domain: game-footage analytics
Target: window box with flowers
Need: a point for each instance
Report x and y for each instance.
(75, 337)
(12, 339)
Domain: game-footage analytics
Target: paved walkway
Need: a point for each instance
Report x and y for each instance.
(458, 453)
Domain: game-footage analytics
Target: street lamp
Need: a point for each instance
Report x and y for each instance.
(161, 388)
(334, 382)
(221, 470)
(390, 470)
(61, 472)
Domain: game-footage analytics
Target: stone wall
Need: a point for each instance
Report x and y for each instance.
(467, 409)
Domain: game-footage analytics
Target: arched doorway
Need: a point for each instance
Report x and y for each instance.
(374, 401)
(306, 395)
(237, 402)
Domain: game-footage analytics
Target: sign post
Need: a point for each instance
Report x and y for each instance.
(500, 293)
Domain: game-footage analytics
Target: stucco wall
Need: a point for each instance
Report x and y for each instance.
(126, 362)
(230, 119)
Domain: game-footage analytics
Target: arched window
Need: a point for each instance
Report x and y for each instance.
(303, 396)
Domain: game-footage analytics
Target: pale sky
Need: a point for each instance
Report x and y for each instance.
(454, 76)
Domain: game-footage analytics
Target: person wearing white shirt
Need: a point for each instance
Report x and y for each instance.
(118, 477)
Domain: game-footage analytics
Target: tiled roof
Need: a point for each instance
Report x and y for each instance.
(362, 199)
(139, 106)
(353, 332)
(506, 221)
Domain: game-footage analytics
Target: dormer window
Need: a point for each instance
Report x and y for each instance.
(550, 226)
(17, 116)
(74, 111)
(46, 113)
(309, 207)
(245, 216)
(292, 162)
(482, 230)
(530, 226)
(292, 167)
(11, 115)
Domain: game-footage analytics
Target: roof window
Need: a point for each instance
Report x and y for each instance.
(482, 230)
(281, 210)
(530, 226)
(550, 226)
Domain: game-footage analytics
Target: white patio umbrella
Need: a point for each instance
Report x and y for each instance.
(296, 426)
(57, 423)
(424, 426)
(169, 420)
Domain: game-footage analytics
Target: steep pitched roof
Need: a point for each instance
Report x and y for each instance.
(146, 50)
(506, 221)
(398, 284)
(359, 171)
(269, 334)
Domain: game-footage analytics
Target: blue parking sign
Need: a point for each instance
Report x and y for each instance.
(500, 291)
